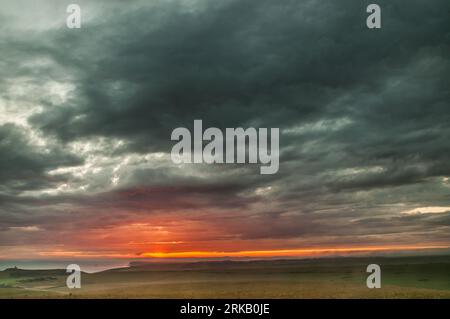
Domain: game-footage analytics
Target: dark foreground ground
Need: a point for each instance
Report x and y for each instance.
(402, 277)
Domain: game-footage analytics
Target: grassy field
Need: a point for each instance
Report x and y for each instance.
(402, 277)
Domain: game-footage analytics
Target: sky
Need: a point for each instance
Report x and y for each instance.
(86, 117)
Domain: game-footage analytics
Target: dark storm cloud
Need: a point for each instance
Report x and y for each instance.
(240, 63)
(24, 166)
(364, 113)
(187, 197)
(107, 208)
(225, 64)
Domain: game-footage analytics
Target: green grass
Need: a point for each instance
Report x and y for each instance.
(407, 277)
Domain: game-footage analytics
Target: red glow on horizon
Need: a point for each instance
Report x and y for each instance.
(302, 252)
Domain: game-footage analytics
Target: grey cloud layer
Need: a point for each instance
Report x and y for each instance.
(364, 114)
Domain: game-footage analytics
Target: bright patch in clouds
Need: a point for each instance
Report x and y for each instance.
(427, 210)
